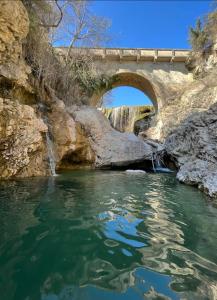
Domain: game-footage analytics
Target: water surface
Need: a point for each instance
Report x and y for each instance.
(97, 235)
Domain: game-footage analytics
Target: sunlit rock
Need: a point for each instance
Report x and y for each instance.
(111, 147)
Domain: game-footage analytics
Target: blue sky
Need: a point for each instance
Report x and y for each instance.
(148, 24)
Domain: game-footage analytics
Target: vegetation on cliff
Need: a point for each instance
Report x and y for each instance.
(190, 140)
(203, 39)
(72, 78)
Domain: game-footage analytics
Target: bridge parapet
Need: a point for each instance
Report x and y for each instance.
(127, 54)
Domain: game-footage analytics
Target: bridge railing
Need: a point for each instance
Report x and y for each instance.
(128, 54)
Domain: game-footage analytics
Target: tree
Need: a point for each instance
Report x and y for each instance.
(210, 27)
(80, 27)
(203, 39)
(71, 23)
(204, 36)
(198, 37)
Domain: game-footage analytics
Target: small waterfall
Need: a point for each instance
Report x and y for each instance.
(50, 152)
(158, 164)
(123, 118)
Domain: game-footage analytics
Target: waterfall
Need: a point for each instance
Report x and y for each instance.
(158, 164)
(49, 143)
(50, 153)
(124, 118)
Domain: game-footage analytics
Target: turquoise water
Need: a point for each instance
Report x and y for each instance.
(106, 235)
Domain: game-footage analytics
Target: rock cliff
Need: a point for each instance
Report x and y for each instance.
(22, 150)
(14, 27)
(196, 97)
(193, 147)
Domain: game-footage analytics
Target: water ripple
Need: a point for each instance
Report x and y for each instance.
(105, 235)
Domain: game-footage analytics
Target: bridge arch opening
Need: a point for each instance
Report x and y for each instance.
(125, 96)
(129, 79)
(132, 116)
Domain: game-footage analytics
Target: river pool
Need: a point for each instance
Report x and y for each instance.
(106, 235)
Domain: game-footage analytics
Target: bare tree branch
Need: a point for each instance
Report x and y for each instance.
(60, 18)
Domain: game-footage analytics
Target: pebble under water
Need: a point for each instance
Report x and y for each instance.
(106, 235)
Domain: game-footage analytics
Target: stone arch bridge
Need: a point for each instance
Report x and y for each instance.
(159, 73)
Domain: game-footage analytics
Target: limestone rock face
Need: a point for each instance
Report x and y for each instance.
(197, 97)
(14, 26)
(193, 146)
(111, 148)
(22, 150)
(71, 146)
(200, 173)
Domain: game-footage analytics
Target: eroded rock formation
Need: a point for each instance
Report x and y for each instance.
(111, 147)
(72, 148)
(22, 150)
(196, 97)
(193, 146)
(14, 27)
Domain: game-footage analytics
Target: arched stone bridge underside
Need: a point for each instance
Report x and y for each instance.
(158, 73)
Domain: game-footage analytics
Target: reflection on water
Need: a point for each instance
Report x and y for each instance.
(106, 235)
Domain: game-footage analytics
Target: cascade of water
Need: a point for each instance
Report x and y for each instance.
(158, 162)
(158, 165)
(152, 160)
(134, 112)
(124, 118)
(50, 152)
(119, 117)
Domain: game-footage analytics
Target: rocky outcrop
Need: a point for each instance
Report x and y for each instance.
(200, 173)
(193, 146)
(22, 149)
(72, 148)
(14, 27)
(111, 148)
(196, 97)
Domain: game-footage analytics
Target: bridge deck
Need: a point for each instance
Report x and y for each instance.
(130, 54)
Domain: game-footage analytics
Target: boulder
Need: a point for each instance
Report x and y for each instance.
(110, 147)
(72, 148)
